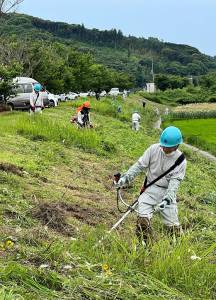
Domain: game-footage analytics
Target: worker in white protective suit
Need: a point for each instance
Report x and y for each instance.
(36, 100)
(136, 121)
(160, 196)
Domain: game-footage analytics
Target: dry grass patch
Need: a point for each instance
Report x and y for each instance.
(196, 107)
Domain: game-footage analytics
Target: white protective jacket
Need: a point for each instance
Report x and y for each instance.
(36, 101)
(136, 117)
(155, 162)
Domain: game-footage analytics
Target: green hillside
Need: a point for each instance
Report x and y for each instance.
(57, 201)
(111, 48)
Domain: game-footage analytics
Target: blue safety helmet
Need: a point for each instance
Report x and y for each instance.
(171, 137)
(37, 87)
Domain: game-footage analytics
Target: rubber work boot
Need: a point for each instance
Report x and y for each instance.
(143, 230)
(174, 230)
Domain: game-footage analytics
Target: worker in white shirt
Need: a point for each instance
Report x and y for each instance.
(36, 100)
(136, 121)
(155, 161)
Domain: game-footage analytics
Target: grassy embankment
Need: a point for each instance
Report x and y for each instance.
(185, 95)
(56, 200)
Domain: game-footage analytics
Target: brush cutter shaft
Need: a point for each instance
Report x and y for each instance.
(130, 209)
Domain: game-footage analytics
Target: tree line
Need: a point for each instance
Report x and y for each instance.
(127, 54)
(59, 67)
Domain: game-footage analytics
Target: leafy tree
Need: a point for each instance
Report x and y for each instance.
(6, 75)
(164, 82)
(8, 5)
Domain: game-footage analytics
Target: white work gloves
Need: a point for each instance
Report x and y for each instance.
(170, 196)
(161, 206)
(129, 176)
(123, 182)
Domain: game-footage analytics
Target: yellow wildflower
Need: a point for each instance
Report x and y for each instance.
(9, 244)
(105, 267)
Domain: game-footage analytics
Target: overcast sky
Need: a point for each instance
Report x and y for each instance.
(191, 22)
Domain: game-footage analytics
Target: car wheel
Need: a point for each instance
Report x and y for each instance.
(51, 103)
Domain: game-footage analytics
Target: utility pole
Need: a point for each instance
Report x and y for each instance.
(152, 71)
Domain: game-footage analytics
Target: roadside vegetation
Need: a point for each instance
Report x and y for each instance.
(57, 202)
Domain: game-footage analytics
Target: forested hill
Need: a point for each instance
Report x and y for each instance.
(110, 47)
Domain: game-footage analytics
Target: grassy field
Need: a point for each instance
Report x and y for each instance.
(57, 201)
(198, 132)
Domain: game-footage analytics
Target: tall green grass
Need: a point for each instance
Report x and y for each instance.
(45, 129)
(165, 270)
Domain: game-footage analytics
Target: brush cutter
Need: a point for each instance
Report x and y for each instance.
(130, 208)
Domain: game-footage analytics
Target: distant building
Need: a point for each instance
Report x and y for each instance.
(190, 79)
(150, 87)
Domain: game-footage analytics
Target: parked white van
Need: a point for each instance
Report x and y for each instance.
(114, 92)
(23, 87)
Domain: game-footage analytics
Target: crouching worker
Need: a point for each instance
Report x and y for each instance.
(83, 116)
(160, 196)
(36, 100)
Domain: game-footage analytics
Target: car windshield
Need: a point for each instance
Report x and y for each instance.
(28, 88)
(23, 88)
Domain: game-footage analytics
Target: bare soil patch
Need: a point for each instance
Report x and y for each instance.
(90, 216)
(10, 168)
(55, 216)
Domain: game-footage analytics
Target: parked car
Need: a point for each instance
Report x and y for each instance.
(92, 94)
(83, 94)
(103, 94)
(71, 96)
(114, 92)
(23, 87)
(62, 97)
(53, 99)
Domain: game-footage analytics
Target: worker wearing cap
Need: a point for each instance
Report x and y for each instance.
(36, 100)
(157, 159)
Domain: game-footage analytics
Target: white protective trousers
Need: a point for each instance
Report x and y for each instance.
(152, 197)
(135, 125)
(38, 110)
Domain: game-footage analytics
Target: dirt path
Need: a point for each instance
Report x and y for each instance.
(157, 124)
(201, 152)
